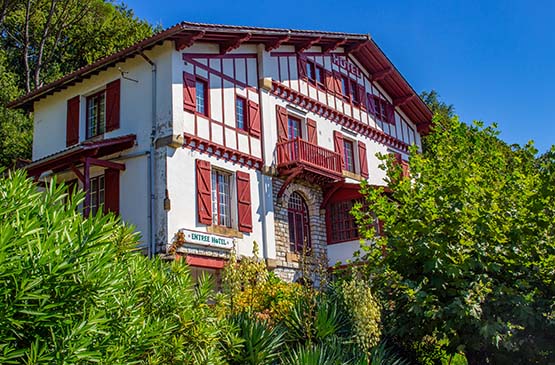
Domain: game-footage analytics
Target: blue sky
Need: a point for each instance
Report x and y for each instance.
(493, 60)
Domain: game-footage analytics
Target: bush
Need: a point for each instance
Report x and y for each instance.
(74, 290)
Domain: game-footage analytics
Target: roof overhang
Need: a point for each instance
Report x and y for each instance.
(184, 34)
(76, 154)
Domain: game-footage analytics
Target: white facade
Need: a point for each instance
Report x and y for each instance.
(159, 188)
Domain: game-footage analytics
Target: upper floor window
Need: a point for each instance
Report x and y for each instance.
(96, 193)
(96, 114)
(341, 223)
(221, 198)
(201, 91)
(320, 76)
(294, 128)
(345, 86)
(311, 71)
(349, 155)
(240, 113)
(299, 228)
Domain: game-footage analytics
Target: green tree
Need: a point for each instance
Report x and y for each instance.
(41, 40)
(469, 246)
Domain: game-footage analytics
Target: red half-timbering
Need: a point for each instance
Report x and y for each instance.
(222, 74)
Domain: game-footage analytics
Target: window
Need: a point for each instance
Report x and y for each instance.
(240, 113)
(96, 193)
(201, 90)
(310, 71)
(345, 86)
(320, 76)
(215, 274)
(342, 226)
(299, 229)
(96, 114)
(315, 74)
(294, 128)
(353, 92)
(349, 155)
(221, 198)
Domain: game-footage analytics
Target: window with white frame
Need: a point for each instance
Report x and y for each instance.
(221, 198)
(96, 114)
(96, 193)
(349, 155)
(241, 113)
(201, 90)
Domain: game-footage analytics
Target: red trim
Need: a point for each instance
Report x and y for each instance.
(203, 261)
(65, 159)
(111, 191)
(327, 112)
(200, 144)
(361, 46)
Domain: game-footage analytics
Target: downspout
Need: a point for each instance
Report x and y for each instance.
(260, 67)
(151, 156)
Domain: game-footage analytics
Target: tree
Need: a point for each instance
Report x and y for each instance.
(469, 246)
(42, 40)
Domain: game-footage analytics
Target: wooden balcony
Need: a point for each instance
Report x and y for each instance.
(299, 158)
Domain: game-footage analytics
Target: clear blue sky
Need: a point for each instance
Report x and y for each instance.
(493, 60)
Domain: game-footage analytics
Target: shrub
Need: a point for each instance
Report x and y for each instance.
(74, 290)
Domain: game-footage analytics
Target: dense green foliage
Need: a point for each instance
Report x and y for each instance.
(470, 246)
(42, 40)
(74, 292)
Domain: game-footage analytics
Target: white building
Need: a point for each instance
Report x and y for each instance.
(229, 135)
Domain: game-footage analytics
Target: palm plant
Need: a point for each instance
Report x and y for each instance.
(260, 342)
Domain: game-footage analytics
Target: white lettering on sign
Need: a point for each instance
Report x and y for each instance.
(205, 239)
(343, 63)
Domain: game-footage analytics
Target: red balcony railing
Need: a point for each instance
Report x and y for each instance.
(300, 152)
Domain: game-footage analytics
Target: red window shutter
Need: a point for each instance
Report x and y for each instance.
(312, 131)
(111, 191)
(189, 93)
(281, 117)
(406, 168)
(338, 145)
(398, 158)
(337, 83)
(360, 96)
(390, 113)
(363, 159)
(112, 105)
(254, 119)
(244, 210)
(204, 192)
(301, 66)
(371, 103)
(330, 83)
(72, 121)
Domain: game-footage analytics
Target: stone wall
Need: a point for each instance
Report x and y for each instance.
(288, 263)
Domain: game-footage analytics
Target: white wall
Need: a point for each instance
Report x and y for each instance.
(181, 170)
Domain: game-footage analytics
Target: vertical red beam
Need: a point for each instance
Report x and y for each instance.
(87, 206)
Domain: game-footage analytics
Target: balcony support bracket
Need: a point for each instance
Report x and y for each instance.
(294, 173)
